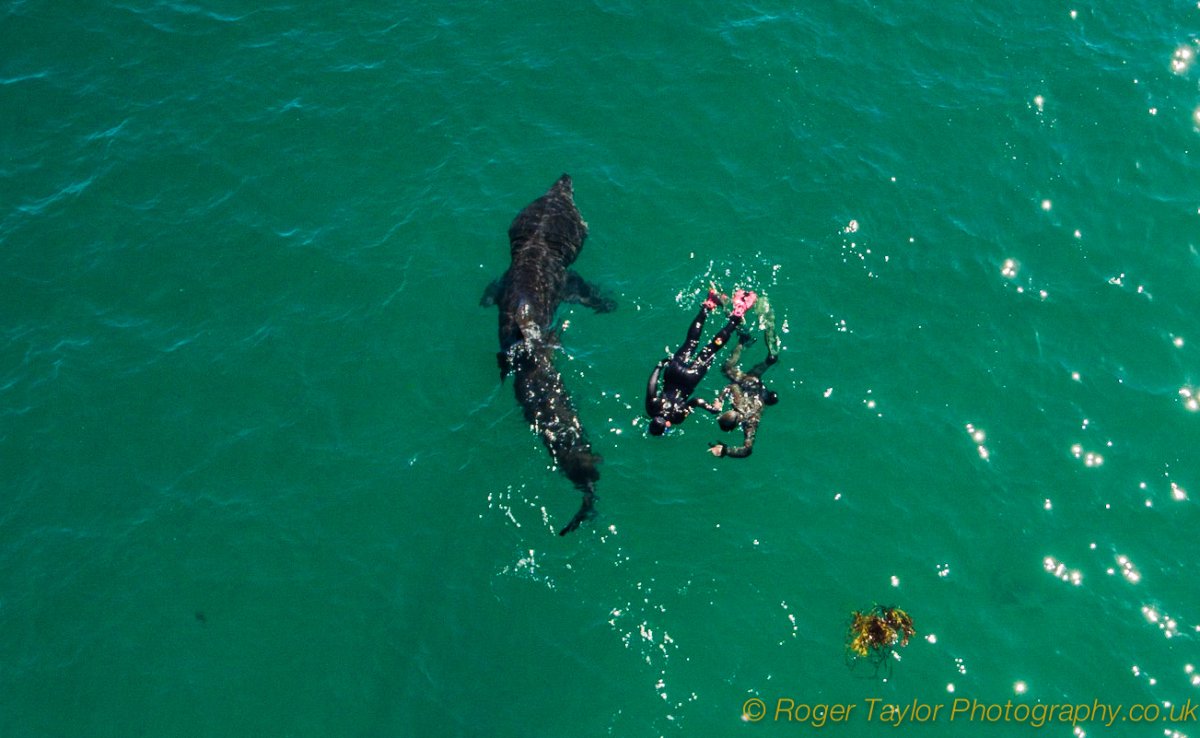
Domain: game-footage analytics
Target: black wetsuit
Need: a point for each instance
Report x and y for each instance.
(747, 394)
(682, 373)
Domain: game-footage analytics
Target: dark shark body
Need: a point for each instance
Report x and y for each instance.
(545, 239)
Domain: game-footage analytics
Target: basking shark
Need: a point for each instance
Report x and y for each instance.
(545, 238)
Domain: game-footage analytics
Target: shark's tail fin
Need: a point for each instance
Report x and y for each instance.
(587, 510)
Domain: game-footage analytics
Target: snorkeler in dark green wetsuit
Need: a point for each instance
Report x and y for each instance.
(747, 394)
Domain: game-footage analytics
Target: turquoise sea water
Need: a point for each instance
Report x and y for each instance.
(261, 477)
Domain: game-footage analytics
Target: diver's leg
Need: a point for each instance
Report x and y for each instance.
(730, 368)
(705, 357)
(710, 303)
(693, 336)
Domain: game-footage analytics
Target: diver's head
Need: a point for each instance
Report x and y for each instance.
(658, 425)
(770, 398)
(728, 420)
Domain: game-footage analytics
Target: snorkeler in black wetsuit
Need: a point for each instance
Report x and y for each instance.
(671, 405)
(747, 394)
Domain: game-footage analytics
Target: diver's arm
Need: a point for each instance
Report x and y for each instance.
(652, 387)
(739, 452)
(730, 368)
(715, 406)
(764, 365)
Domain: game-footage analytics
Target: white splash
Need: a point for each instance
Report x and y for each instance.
(1165, 623)
(1128, 570)
(1191, 398)
(1090, 458)
(979, 436)
(1059, 570)
(1183, 58)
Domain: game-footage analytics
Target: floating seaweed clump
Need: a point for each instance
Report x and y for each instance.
(873, 634)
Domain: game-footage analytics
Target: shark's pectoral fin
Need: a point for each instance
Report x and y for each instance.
(582, 292)
(491, 293)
